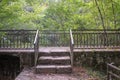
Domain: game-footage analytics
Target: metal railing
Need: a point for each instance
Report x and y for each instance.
(87, 39)
(96, 39)
(36, 46)
(71, 46)
(17, 39)
(54, 38)
(113, 72)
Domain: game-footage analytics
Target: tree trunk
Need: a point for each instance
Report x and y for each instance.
(103, 24)
(114, 16)
(100, 13)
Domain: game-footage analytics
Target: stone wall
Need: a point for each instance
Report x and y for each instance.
(27, 59)
(97, 60)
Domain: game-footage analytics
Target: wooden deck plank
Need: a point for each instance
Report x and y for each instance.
(96, 50)
(41, 49)
(16, 50)
(54, 49)
(57, 49)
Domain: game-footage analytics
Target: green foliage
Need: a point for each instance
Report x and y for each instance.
(95, 74)
(20, 14)
(59, 14)
(63, 15)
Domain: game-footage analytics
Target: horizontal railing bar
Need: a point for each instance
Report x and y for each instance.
(17, 30)
(110, 69)
(97, 47)
(96, 30)
(114, 67)
(19, 33)
(115, 75)
(54, 32)
(66, 30)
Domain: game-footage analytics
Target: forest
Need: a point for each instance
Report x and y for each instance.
(59, 14)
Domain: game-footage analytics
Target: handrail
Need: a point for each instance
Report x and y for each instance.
(71, 46)
(111, 73)
(114, 67)
(71, 37)
(36, 36)
(36, 47)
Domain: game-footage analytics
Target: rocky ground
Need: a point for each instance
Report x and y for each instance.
(78, 74)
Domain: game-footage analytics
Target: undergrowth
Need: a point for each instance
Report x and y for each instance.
(95, 74)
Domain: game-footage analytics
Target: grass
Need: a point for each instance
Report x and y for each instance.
(97, 75)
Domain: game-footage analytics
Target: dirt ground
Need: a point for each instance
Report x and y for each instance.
(77, 74)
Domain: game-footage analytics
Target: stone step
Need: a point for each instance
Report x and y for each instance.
(54, 60)
(54, 53)
(53, 69)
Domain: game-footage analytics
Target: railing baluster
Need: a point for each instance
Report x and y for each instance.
(83, 38)
(27, 43)
(116, 40)
(87, 40)
(80, 39)
(90, 39)
(94, 45)
(77, 40)
(97, 39)
(15, 39)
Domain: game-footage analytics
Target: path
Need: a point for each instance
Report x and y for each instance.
(78, 74)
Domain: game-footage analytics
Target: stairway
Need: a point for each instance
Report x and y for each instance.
(54, 62)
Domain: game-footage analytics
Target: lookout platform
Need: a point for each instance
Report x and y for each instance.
(47, 50)
(54, 49)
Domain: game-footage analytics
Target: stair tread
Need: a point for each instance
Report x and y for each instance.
(54, 58)
(54, 54)
(53, 66)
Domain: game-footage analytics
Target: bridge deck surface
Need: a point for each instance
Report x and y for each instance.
(57, 49)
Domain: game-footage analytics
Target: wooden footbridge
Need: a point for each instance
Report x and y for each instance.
(53, 49)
